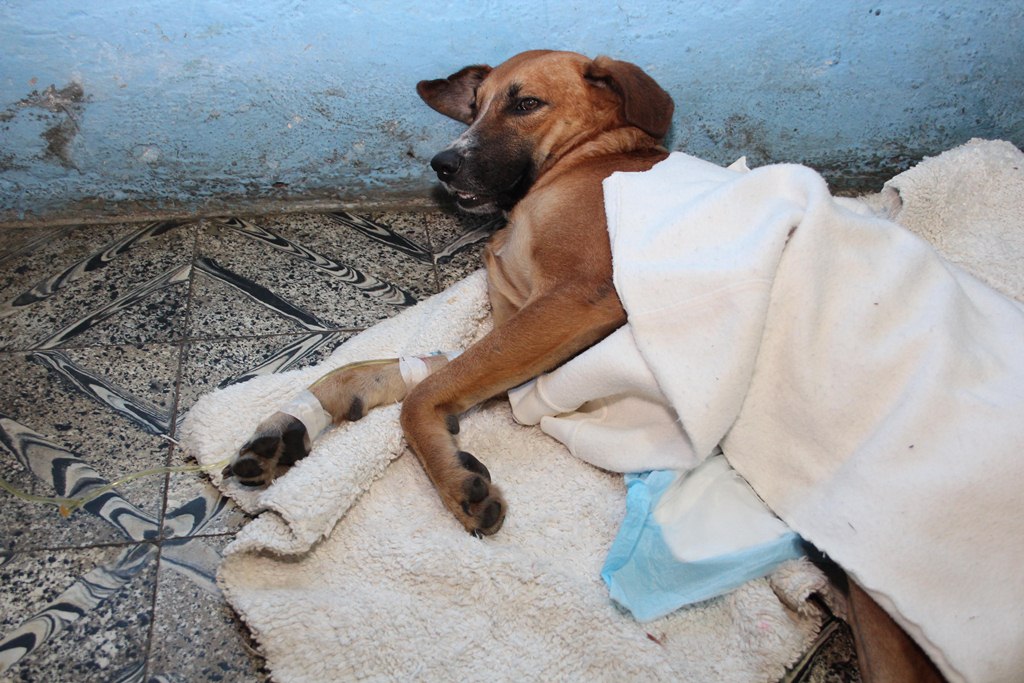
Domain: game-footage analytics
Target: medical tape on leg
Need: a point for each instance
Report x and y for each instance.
(414, 369)
(307, 409)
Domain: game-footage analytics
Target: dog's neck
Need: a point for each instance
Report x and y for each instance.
(627, 139)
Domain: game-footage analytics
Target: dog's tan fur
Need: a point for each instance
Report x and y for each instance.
(545, 129)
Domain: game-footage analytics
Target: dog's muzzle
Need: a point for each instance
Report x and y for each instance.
(446, 165)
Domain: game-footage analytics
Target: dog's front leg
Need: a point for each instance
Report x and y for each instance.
(537, 338)
(346, 393)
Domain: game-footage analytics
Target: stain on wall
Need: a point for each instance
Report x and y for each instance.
(65, 108)
(179, 104)
(58, 112)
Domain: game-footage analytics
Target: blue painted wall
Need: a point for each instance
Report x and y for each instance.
(178, 103)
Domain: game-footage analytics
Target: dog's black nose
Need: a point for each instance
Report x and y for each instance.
(446, 164)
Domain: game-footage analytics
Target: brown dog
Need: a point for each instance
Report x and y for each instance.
(545, 128)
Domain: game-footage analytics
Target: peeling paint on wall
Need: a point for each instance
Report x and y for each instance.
(179, 105)
(65, 108)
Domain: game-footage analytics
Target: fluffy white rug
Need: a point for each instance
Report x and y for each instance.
(396, 590)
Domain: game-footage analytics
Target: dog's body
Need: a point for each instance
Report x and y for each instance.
(545, 129)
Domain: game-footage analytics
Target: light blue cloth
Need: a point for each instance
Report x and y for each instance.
(647, 578)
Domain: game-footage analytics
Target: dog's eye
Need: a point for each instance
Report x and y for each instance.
(527, 104)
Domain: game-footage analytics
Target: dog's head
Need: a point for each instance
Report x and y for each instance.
(528, 112)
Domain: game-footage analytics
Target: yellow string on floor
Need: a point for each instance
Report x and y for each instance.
(68, 505)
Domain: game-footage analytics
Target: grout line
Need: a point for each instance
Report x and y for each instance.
(172, 441)
(17, 550)
(172, 445)
(433, 250)
(182, 344)
(200, 228)
(147, 649)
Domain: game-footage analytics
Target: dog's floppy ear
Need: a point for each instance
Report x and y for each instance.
(644, 104)
(455, 96)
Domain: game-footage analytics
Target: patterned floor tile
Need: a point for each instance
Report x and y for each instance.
(311, 272)
(17, 241)
(76, 614)
(74, 420)
(457, 242)
(832, 658)
(216, 363)
(97, 285)
(222, 311)
(196, 635)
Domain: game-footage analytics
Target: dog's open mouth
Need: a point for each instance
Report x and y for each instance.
(474, 202)
(468, 200)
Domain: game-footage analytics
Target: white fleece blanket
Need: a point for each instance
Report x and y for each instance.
(396, 591)
(869, 391)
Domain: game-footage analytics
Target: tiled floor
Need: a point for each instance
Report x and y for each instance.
(108, 334)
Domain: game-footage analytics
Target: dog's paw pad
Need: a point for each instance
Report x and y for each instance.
(264, 446)
(469, 461)
(451, 423)
(278, 443)
(475, 489)
(480, 500)
(494, 512)
(247, 469)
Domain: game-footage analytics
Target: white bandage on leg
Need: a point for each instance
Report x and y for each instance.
(414, 369)
(307, 409)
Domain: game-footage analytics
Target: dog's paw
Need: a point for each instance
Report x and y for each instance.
(480, 502)
(278, 443)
